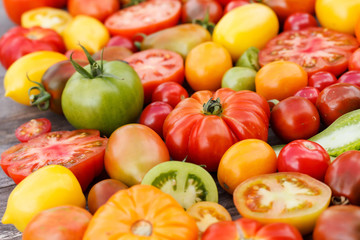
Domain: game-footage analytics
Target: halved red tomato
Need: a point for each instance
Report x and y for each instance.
(32, 129)
(287, 197)
(82, 151)
(315, 49)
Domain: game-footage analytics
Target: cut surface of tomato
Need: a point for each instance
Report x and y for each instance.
(32, 129)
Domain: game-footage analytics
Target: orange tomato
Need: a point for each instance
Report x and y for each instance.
(245, 159)
(280, 79)
(205, 66)
(141, 212)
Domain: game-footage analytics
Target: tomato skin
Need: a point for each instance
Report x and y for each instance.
(354, 61)
(299, 20)
(76, 54)
(321, 80)
(32, 129)
(234, 4)
(295, 118)
(336, 100)
(122, 41)
(196, 10)
(169, 92)
(112, 53)
(309, 93)
(99, 10)
(352, 77)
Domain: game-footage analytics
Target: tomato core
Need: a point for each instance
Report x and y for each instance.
(212, 107)
(142, 228)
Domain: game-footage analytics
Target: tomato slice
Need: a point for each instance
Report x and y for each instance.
(156, 66)
(82, 151)
(147, 17)
(287, 197)
(315, 49)
(32, 129)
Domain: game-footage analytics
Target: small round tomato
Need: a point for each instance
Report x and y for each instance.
(112, 53)
(309, 93)
(354, 60)
(32, 129)
(299, 20)
(295, 118)
(94, 8)
(76, 54)
(197, 10)
(304, 156)
(321, 80)
(280, 79)
(247, 154)
(123, 42)
(239, 78)
(154, 116)
(234, 4)
(169, 92)
(352, 77)
(290, 197)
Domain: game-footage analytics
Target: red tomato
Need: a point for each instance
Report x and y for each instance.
(76, 54)
(202, 127)
(112, 53)
(304, 156)
(336, 100)
(123, 42)
(154, 116)
(224, 2)
(32, 129)
(299, 20)
(315, 49)
(19, 41)
(354, 61)
(352, 77)
(169, 92)
(310, 93)
(295, 118)
(321, 80)
(82, 151)
(156, 66)
(93, 8)
(343, 177)
(141, 18)
(234, 4)
(197, 9)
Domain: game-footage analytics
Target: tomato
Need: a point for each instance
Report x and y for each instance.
(103, 95)
(102, 191)
(244, 228)
(169, 92)
(249, 59)
(321, 80)
(15, 8)
(46, 17)
(141, 212)
(338, 222)
(315, 49)
(20, 41)
(354, 61)
(343, 178)
(247, 154)
(310, 93)
(46, 225)
(251, 25)
(112, 53)
(203, 72)
(202, 127)
(156, 66)
(239, 78)
(287, 197)
(76, 54)
(336, 100)
(197, 10)
(124, 161)
(352, 77)
(295, 118)
(357, 30)
(123, 42)
(186, 182)
(94, 8)
(234, 4)
(299, 20)
(280, 79)
(32, 129)
(81, 151)
(140, 18)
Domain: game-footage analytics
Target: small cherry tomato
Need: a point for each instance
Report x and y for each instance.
(197, 9)
(234, 4)
(352, 77)
(354, 60)
(309, 93)
(32, 129)
(304, 156)
(169, 92)
(321, 80)
(299, 20)
(123, 42)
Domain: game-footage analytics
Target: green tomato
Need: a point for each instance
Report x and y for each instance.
(250, 59)
(239, 78)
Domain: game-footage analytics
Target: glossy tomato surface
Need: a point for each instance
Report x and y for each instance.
(169, 92)
(354, 61)
(352, 77)
(299, 20)
(321, 80)
(309, 93)
(32, 129)
(97, 9)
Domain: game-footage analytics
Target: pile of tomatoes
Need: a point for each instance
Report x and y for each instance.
(146, 83)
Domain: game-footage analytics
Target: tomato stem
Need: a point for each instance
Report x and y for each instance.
(205, 23)
(42, 99)
(212, 107)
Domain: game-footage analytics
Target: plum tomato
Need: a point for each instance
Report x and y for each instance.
(314, 49)
(304, 156)
(197, 10)
(295, 118)
(287, 197)
(299, 20)
(169, 92)
(234, 4)
(32, 129)
(321, 80)
(123, 42)
(352, 77)
(354, 61)
(309, 93)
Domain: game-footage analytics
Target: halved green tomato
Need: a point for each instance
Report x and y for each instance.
(188, 183)
(287, 197)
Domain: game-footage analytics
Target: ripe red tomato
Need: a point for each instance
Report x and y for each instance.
(169, 92)
(343, 177)
(310, 93)
(93, 8)
(295, 118)
(32, 129)
(321, 80)
(197, 9)
(354, 61)
(82, 151)
(315, 49)
(352, 77)
(234, 4)
(112, 53)
(299, 20)
(304, 156)
(123, 42)
(76, 54)
(156, 66)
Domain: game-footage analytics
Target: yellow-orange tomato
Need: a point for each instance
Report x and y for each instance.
(205, 66)
(245, 159)
(280, 79)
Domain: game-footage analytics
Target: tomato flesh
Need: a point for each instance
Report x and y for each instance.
(32, 129)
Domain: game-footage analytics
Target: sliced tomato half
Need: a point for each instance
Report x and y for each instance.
(32, 129)
(315, 49)
(82, 151)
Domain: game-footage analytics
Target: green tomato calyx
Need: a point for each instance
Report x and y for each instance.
(42, 99)
(205, 23)
(212, 107)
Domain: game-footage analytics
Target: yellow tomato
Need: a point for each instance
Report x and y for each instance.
(87, 31)
(33, 65)
(48, 187)
(252, 25)
(339, 15)
(205, 66)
